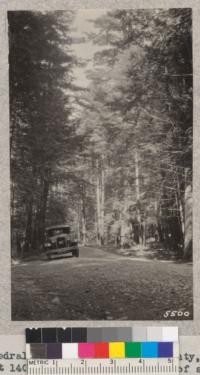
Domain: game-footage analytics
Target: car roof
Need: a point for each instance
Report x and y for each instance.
(58, 226)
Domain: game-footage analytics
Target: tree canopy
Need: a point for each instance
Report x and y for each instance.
(115, 158)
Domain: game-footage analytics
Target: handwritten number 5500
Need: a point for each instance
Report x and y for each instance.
(176, 314)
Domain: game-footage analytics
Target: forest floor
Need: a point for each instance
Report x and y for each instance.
(100, 286)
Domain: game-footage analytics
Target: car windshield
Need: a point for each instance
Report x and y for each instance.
(57, 231)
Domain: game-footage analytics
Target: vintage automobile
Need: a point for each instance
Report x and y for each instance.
(60, 241)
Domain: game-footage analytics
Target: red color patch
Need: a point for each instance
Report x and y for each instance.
(101, 350)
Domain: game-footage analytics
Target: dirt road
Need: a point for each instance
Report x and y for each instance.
(99, 285)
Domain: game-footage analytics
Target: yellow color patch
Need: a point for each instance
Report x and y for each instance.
(116, 350)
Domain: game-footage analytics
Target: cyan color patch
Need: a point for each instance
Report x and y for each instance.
(149, 349)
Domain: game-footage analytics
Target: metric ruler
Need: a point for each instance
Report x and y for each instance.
(131, 366)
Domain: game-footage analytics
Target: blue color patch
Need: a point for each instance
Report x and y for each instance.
(149, 350)
(165, 349)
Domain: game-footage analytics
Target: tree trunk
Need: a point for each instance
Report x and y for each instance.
(102, 200)
(44, 209)
(12, 203)
(98, 203)
(188, 223)
(144, 233)
(180, 208)
(122, 230)
(100, 196)
(78, 223)
(28, 233)
(83, 216)
(41, 216)
(137, 188)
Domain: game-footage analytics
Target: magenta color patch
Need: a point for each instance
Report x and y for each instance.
(86, 350)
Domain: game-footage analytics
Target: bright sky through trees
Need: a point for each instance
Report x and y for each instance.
(83, 24)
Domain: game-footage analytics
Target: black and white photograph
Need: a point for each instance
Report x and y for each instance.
(101, 140)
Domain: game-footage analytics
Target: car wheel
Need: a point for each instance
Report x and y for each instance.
(76, 253)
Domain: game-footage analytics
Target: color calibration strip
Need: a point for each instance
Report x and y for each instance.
(109, 350)
(101, 334)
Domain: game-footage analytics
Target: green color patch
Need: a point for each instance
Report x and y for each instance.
(132, 349)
